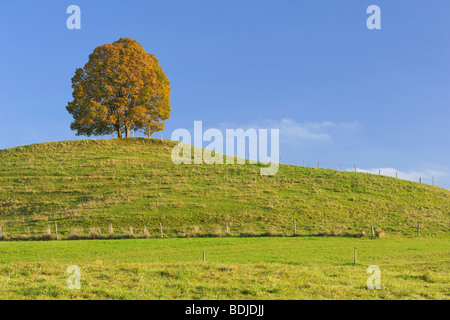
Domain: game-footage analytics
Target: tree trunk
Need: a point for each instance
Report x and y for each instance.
(127, 132)
(119, 133)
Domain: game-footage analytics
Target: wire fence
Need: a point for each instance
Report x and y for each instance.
(388, 172)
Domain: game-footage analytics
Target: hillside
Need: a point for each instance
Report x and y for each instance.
(132, 182)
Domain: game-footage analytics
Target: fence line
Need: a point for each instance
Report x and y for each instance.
(281, 229)
(353, 167)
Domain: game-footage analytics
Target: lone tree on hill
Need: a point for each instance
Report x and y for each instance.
(121, 88)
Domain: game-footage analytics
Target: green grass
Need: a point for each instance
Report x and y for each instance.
(133, 182)
(236, 268)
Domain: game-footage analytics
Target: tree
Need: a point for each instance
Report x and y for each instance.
(120, 88)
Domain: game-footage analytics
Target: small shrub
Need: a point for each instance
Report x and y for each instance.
(23, 237)
(197, 232)
(218, 232)
(335, 233)
(47, 235)
(95, 233)
(332, 233)
(248, 233)
(111, 231)
(131, 232)
(76, 234)
(272, 232)
(184, 233)
(380, 234)
(146, 233)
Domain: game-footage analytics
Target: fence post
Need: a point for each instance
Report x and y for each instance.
(161, 230)
(204, 256)
(396, 175)
(1, 232)
(379, 172)
(295, 227)
(420, 179)
(354, 166)
(226, 228)
(56, 230)
(318, 165)
(355, 257)
(373, 232)
(418, 229)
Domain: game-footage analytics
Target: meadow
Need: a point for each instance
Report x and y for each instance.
(110, 199)
(235, 268)
(86, 186)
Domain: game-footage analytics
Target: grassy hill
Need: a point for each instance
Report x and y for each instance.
(132, 182)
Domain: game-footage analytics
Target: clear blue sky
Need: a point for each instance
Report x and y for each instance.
(340, 93)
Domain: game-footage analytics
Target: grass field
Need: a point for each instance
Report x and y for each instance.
(85, 186)
(235, 268)
(133, 183)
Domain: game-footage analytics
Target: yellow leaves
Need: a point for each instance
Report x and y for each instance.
(121, 85)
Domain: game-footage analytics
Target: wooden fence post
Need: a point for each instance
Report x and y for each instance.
(1, 232)
(295, 227)
(204, 256)
(354, 166)
(420, 179)
(379, 172)
(355, 256)
(396, 175)
(161, 230)
(227, 231)
(373, 232)
(318, 165)
(418, 229)
(56, 230)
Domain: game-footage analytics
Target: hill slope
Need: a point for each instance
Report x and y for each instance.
(133, 182)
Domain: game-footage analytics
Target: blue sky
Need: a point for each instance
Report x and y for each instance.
(339, 92)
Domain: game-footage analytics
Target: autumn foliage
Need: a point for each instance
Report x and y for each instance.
(121, 88)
